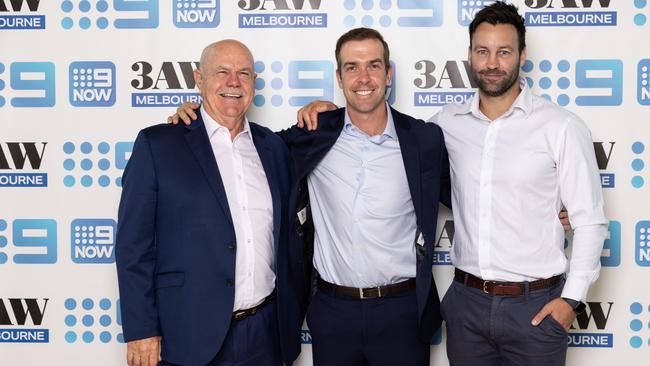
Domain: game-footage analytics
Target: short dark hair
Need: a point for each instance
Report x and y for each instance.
(360, 34)
(500, 13)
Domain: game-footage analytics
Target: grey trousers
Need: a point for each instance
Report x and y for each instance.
(489, 330)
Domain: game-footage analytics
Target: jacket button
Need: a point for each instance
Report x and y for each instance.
(231, 246)
(230, 282)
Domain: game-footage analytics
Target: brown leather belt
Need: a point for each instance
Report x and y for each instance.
(245, 313)
(504, 288)
(366, 293)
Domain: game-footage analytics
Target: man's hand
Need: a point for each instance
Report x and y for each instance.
(143, 352)
(308, 115)
(184, 112)
(560, 310)
(564, 220)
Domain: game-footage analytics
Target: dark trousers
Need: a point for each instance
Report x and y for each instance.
(250, 342)
(489, 330)
(368, 332)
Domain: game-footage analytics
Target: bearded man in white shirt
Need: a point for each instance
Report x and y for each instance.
(516, 159)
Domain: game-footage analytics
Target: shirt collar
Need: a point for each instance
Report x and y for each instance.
(212, 126)
(389, 131)
(524, 102)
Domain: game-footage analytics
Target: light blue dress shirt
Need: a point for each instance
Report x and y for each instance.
(363, 215)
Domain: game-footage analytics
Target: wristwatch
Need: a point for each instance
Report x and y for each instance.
(578, 306)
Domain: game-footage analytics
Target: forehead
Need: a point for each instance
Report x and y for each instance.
(230, 56)
(499, 35)
(358, 50)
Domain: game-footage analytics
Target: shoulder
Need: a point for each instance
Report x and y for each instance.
(557, 117)
(418, 125)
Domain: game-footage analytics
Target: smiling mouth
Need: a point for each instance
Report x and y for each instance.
(230, 95)
(364, 92)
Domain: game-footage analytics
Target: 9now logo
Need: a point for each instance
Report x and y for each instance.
(92, 84)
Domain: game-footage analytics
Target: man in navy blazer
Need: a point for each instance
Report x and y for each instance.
(201, 253)
(368, 183)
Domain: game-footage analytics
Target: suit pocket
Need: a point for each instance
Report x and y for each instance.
(169, 279)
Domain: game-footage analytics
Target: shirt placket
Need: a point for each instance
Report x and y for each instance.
(242, 198)
(485, 200)
(357, 204)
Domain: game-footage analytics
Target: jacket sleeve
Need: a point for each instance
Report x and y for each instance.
(135, 249)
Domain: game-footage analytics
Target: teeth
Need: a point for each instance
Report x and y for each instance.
(363, 92)
(227, 95)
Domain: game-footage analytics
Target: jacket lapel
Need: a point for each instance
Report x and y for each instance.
(410, 155)
(198, 141)
(266, 155)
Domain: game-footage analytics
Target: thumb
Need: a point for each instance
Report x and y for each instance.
(540, 316)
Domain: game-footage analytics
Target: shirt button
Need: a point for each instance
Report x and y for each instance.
(249, 241)
(230, 282)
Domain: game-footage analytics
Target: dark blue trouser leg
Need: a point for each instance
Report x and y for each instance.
(490, 330)
(369, 332)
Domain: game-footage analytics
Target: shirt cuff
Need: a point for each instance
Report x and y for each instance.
(576, 288)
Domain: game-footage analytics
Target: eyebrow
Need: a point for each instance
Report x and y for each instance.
(377, 60)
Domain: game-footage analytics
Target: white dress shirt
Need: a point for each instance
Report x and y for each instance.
(251, 208)
(510, 179)
(363, 214)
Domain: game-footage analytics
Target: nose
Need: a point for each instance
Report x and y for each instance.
(492, 61)
(233, 80)
(364, 75)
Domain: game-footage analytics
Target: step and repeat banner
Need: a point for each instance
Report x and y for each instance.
(80, 78)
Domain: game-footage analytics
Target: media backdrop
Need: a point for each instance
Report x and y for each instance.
(79, 78)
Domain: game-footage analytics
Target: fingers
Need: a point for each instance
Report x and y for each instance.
(130, 356)
(541, 315)
(300, 122)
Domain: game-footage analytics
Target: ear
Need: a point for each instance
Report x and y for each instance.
(469, 55)
(338, 78)
(389, 75)
(522, 57)
(197, 78)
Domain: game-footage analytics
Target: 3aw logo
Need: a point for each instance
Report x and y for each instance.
(281, 14)
(596, 315)
(12, 15)
(14, 156)
(93, 240)
(441, 252)
(562, 13)
(15, 312)
(196, 13)
(177, 77)
(442, 83)
(386, 13)
(92, 84)
(603, 152)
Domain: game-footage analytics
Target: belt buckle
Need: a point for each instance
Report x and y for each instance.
(485, 283)
(362, 296)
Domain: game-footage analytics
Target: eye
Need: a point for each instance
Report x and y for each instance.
(504, 52)
(350, 68)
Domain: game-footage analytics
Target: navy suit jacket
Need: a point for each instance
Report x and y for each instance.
(427, 170)
(176, 244)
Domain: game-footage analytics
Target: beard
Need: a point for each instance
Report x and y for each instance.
(496, 89)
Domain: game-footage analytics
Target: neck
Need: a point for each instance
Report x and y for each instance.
(495, 107)
(372, 123)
